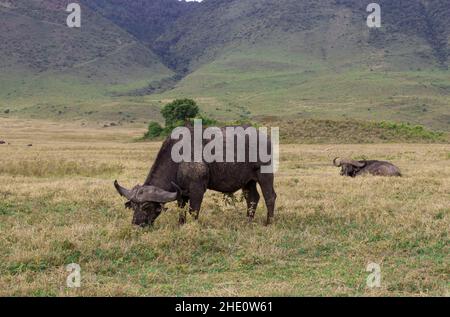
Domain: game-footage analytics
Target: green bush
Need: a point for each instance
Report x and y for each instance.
(154, 130)
(206, 122)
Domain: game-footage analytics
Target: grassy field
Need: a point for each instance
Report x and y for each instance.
(58, 206)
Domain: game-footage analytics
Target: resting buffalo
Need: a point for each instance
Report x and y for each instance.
(354, 168)
(188, 181)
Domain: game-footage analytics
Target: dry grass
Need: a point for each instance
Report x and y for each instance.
(57, 206)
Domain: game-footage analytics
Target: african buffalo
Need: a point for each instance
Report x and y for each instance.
(354, 168)
(188, 181)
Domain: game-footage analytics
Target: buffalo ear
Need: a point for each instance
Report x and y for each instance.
(128, 205)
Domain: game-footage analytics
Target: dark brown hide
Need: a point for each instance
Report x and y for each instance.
(354, 168)
(188, 181)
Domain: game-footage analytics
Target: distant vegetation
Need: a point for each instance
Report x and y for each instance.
(179, 111)
(176, 114)
(154, 130)
(241, 59)
(311, 131)
(303, 131)
(412, 131)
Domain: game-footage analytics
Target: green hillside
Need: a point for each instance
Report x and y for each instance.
(317, 59)
(313, 131)
(45, 62)
(237, 58)
(267, 80)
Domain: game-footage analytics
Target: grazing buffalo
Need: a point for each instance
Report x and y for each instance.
(188, 181)
(354, 168)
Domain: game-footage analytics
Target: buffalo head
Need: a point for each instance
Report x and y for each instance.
(348, 167)
(146, 201)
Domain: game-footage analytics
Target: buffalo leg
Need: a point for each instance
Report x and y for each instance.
(182, 204)
(195, 202)
(266, 183)
(252, 198)
(183, 201)
(182, 217)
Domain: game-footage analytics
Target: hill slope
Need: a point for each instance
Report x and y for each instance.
(419, 28)
(309, 58)
(43, 59)
(238, 58)
(316, 58)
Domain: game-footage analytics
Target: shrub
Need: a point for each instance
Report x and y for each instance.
(411, 131)
(154, 130)
(207, 121)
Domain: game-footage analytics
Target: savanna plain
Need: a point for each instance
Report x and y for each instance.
(58, 206)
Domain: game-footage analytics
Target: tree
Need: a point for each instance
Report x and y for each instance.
(176, 114)
(179, 111)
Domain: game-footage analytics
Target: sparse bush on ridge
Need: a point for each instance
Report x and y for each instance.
(312, 131)
(411, 130)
